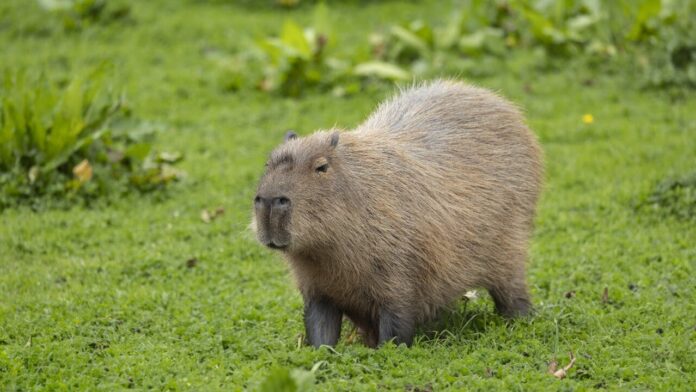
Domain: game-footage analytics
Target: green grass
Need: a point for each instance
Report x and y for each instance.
(102, 298)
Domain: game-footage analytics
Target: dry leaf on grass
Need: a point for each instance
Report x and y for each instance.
(208, 216)
(83, 171)
(562, 372)
(605, 295)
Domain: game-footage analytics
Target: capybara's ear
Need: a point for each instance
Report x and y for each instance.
(289, 135)
(334, 139)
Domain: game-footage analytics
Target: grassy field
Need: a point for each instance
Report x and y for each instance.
(107, 297)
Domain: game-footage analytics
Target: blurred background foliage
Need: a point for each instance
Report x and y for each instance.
(654, 39)
(48, 127)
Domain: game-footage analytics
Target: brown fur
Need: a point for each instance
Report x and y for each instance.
(432, 196)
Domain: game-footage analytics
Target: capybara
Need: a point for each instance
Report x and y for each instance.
(432, 196)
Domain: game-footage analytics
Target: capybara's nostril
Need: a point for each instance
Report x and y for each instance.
(257, 200)
(281, 202)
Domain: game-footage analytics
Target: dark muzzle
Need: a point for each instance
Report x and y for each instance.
(273, 218)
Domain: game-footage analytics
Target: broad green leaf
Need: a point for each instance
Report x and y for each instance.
(273, 48)
(647, 9)
(138, 151)
(381, 70)
(580, 22)
(541, 26)
(71, 103)
(7, 140)
(62, 156)
(594, 6)
(55, 5)
(410, 39)
(294, 37)
(447, 37)
(422, 31)
(472, 42)
(41, 115)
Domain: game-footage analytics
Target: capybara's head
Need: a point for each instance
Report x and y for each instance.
(296, 191)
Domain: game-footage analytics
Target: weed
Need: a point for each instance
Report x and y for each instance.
(72, 140)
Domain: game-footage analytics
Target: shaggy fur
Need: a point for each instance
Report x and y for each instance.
(432, 196)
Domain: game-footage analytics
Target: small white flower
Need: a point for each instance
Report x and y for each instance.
(471, 295)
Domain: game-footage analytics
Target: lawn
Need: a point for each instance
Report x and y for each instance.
(140, 292)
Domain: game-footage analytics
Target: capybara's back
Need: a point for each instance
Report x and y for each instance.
(432, 196)
(467, 129)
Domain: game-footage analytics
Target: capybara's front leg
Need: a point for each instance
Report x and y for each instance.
(396, 326)
(322, 321)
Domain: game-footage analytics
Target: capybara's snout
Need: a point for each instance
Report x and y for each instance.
(272, 220)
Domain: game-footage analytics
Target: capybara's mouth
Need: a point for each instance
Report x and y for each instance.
(273, 245)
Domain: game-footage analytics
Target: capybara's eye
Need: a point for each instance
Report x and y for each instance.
(323, 168)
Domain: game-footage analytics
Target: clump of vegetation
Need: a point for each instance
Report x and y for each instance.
(658, 32)
(674, 196)
(295, 60)
(482, 29)
(412, 45)
(74, 140)
(76, 14)
(300, 59)
(564, 28)
(668, 33)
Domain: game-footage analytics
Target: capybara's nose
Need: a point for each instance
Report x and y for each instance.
(280, 203)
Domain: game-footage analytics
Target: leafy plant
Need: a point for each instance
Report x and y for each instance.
(42, 126)
(295, 60)
(670, 54)
(479, 27)
(656, 34)
(402, 52)
(563, 27)
(72, 140)
(473, 30)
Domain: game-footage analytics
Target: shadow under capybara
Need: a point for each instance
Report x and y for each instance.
(432, 196)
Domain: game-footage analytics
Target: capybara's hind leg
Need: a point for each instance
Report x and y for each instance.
(511, 296)
(398, 327)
